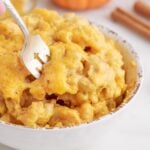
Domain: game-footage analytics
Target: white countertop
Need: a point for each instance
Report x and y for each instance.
(132, 131)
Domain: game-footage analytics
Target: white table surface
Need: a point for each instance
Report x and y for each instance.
(132, 131)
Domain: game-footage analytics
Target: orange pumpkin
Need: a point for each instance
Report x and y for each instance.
(80, 4)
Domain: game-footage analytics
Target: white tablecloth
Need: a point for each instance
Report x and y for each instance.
(132, 131)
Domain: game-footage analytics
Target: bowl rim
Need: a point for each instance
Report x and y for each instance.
(111, 34)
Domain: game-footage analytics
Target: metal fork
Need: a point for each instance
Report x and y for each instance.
(35, 52)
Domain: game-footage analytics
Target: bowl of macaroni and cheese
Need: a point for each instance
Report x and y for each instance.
(91, 75)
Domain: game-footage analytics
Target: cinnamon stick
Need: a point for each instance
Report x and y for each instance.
(142, 8)
(131, 22)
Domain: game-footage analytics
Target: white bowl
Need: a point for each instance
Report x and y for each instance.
(81, 137)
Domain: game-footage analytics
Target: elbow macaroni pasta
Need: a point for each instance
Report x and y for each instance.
(81, 82)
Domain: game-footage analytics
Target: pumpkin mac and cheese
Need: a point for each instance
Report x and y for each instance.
(83, 80)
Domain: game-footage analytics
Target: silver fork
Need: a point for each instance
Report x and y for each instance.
(35, 52)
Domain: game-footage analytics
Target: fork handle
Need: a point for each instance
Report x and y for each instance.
(17, 17)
